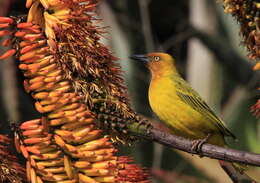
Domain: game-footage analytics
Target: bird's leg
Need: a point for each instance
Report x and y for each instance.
(197, 144)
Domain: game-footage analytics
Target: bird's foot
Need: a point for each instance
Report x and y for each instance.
(197, 144)
(144, 123)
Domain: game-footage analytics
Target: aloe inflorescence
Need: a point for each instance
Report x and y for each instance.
(247, 14)
(78, 89)
(74, 36)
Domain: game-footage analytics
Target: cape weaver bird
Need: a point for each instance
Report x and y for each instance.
(179, 106)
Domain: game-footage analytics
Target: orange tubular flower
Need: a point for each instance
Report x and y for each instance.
(76, 85)
(256, 109)
(73, 153)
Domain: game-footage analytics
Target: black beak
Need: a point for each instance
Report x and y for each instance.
(142, 58)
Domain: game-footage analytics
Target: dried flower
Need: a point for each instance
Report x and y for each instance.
(10, 170)
(247, 14)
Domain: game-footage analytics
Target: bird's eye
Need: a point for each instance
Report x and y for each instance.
(156, 58)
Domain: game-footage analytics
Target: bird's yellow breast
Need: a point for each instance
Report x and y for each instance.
(180, 117)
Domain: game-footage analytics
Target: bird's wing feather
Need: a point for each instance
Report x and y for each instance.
(192, 98)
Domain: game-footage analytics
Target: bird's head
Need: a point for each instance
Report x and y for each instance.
(158, 63)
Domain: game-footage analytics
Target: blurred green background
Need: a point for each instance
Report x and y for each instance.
(206, 45)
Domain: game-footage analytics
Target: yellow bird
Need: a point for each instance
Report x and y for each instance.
(178, 105)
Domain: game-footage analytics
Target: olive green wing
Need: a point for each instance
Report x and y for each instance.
(192, 98)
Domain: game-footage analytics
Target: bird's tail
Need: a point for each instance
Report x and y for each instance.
(248, 172)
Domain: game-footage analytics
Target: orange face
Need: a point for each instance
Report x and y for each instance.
(160, 63)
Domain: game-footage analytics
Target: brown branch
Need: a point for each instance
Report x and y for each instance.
(208, 150)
